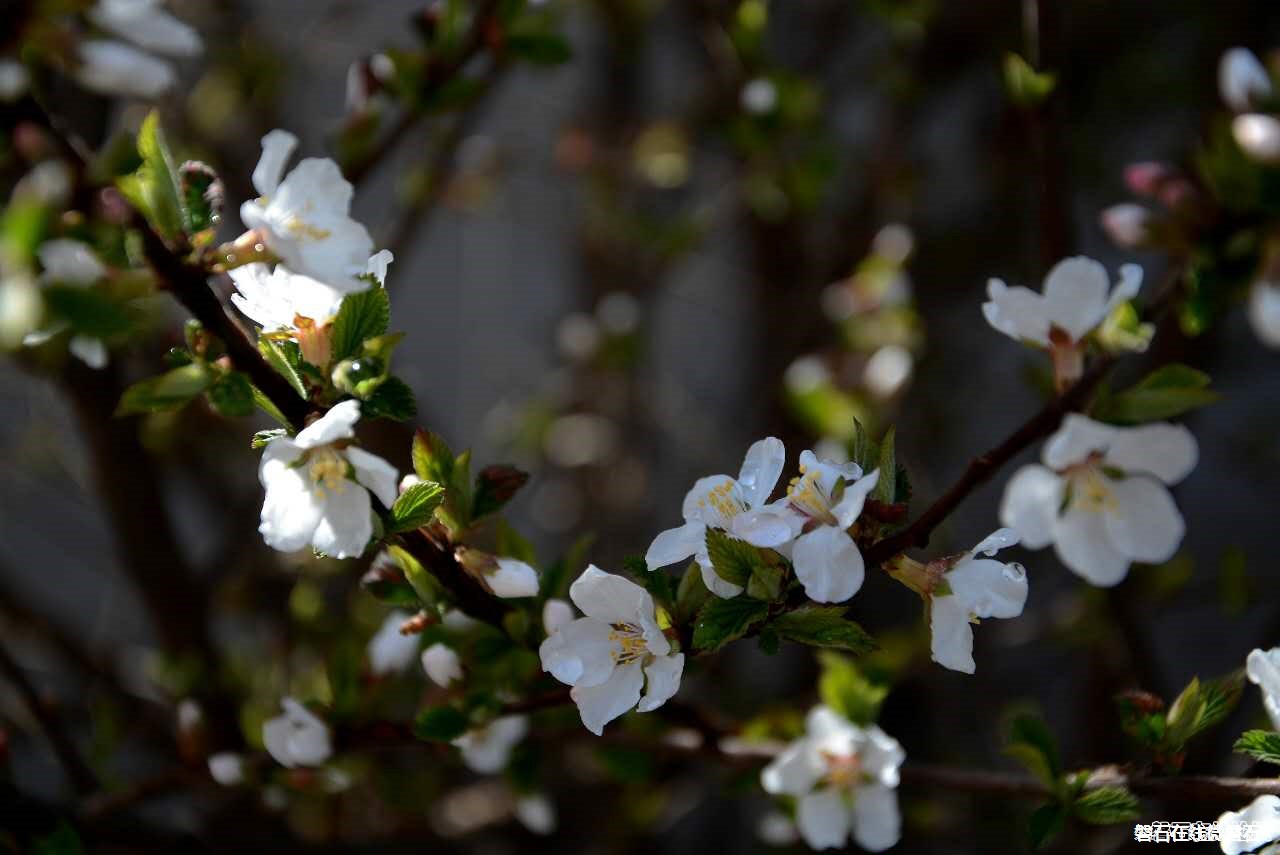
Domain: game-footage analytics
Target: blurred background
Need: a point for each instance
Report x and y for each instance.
(706, 223)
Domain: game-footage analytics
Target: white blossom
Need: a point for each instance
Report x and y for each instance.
(1263, 669)
(442, 665)
(305, 218)
(297, 737)
(486, 750)
(227, 768)
(70, 262)
(1242, 79)
(610, 655)
(389, 649)
(1127, 224)
(738, 506)
(979, 588)
(14, 80)
(1264, 312)
(844, 779)
(555, 614)
(1258, 135)
(113, 68)
(537, 813)
(827, 499)
(318, 485)
(1101, 497)
(513, 578)
(1260, 822)
(147, 25)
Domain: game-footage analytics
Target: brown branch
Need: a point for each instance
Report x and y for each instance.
(440, 71)
(82, 778)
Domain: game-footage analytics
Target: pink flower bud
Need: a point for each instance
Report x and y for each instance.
(1145, 177)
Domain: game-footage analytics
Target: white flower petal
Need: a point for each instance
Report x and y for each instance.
(881, 756)
(675, 545)
(1077, 438)
(487, 750)
(297, 737)
(69, 262)
(1242, 79)
(291, 509)
(227, 768)
(1030, 505)
(555, 614)
(855, 495)
(823, 819)
(1017, 312)
(793, 772)
(999, 539)
(828, 564)
(1258, 135)
(378, 264)
(146, 25)
(662, 681)
(698, 506)
(277, 148)
(346, 524)
(877, 822)
(1145, 524)
(390, 650)
(1263, 668)
(714, 582)
(599, 705)
(113, 68)
(90, 351)
(951, 642)
(1075, 295)
(580, 652)
(1127, 288)
(609, 598)
(338, 423)
(770, 526)
(1262, 816)
(761, 469)
(1264, 312)
(1167, 451)
(536, 813)
(1082, 543)
(374, 473)
(442, 665)
(513, 579)
(989, 588)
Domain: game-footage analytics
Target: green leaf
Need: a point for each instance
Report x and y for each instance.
(1169, 391)
(166, 392)
(363, 315)
(495, 485)
(91, 312)
(232, 395)
(734, 560)
(1106, 806)
(722, 621)
(1026, 86)
(1047, 822)
(1032, 744)
(823, 626)
(865, 451)
(279, 359)
(843, 687)
(691, 593)
(262, 437)
(539, 48)
(432, 458)
(766, 581)
(269, 407)
(1184, 715)
(415, 507)
(393, 399)
(885, 490)
(1261, 745)
(153, 187)
(425, 585)
(440, 724)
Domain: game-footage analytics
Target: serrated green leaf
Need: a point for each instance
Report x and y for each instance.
(432, 458)
(766, 581)
(734, 560)
(1261, 745)
(393, 399)
(691, 594)
(269, 407)
(440, 724)
(721, 621)
(865, 452)
(1184, 714)
(1169, 391)
(278, 358)
(843, 687)
(1106, 806)
(90, 312)
(886, 487)
(425, 585)
(168, 391)
(823, 626)
(363, 315)
(1029, 736)
(1047, 822)
(232, 395)
(415, 507)
(154, 188)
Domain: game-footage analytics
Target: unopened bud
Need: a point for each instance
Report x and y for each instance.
(203, 193)
(350, 373)
(1242, 79)
(1144, 178)
(1258, 135)
(1126, 224)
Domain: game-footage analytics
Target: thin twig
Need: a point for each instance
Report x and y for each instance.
(82, 778)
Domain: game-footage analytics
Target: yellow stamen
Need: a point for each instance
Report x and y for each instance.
(328, 470)
(629, 641)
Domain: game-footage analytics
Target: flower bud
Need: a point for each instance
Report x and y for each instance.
(1258, 135)
(1242, 79)
(1145, 177)
(203, 192)
(349, 373)
(1126, 224)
